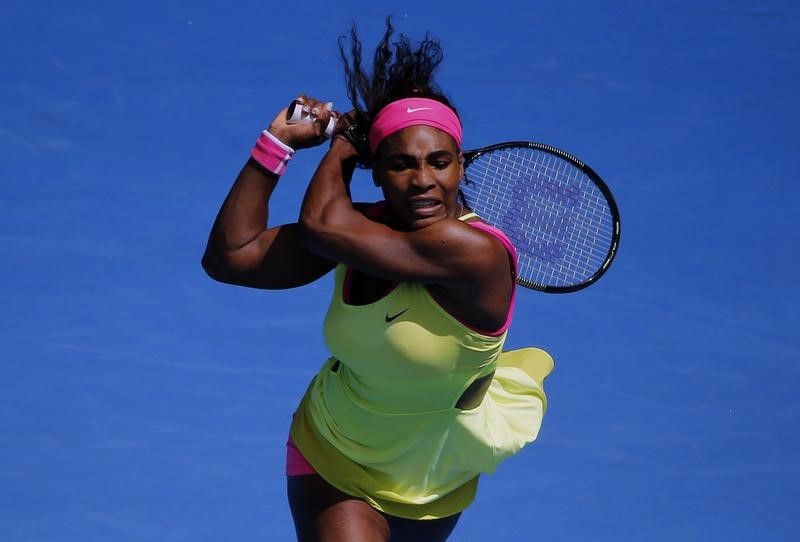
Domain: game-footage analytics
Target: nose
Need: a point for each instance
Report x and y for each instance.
(423, 177)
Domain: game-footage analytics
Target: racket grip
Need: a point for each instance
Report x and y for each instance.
(296, 115)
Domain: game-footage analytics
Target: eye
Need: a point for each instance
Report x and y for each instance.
(440, 160)
(399, 165)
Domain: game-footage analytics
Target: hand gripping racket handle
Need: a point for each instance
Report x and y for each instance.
(295, 114)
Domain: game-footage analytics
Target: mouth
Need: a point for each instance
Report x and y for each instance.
(424, 206)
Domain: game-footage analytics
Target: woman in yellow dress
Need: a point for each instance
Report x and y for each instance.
(418, 397)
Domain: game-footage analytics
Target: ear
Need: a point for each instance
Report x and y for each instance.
(375, 179)
(460, 165)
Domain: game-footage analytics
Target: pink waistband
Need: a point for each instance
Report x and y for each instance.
(296, 463)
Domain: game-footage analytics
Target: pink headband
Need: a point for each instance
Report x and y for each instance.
(413, 112)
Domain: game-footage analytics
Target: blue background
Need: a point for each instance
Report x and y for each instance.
(142, 401)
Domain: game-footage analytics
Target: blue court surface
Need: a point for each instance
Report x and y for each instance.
(142, 401)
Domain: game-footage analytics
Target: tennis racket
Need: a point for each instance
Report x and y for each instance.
(558, 213)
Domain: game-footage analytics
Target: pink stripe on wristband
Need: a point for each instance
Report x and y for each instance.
(272, 153)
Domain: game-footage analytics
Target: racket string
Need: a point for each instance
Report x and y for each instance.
(555, 215)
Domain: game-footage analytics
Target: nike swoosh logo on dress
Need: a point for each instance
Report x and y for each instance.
(390, 318)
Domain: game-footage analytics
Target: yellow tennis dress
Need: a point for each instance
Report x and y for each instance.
(385, 418)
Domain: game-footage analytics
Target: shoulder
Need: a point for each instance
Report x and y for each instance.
(484, 275)
(473, 246)
(476, 222)
(497, 250)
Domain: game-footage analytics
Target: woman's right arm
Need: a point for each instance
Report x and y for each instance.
(242, 249)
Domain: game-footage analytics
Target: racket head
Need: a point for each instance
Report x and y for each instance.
(558, 213)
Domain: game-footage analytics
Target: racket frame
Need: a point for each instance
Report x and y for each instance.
(472, 155)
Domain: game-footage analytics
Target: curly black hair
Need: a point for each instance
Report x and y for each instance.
(401, 69)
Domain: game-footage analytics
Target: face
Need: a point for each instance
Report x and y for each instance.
(419, 169)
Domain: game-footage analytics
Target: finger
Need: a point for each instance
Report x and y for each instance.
(299, 111)
(305, 109)
(310, 110)
(324, 116)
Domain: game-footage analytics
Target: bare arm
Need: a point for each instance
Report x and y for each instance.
(242, 248)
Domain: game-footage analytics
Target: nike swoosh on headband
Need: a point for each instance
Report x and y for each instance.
(415, 109)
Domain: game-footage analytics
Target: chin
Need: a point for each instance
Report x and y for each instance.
(410, 220)
(419, 222)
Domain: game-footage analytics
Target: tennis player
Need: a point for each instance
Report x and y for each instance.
(418, 397)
